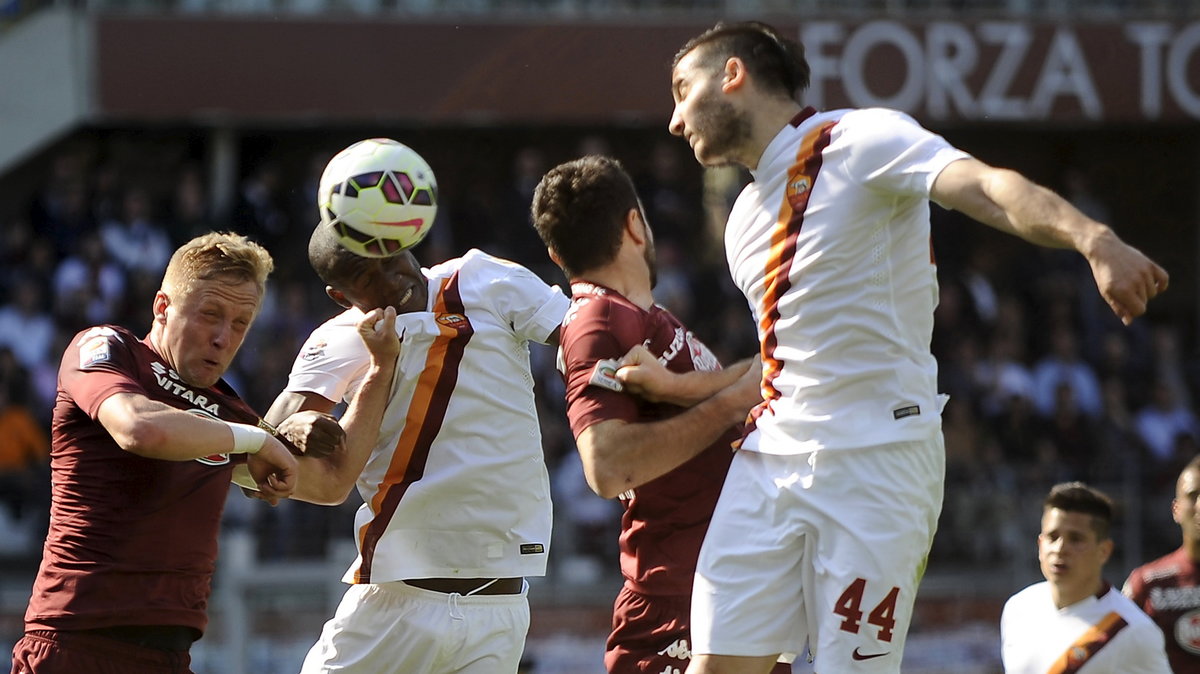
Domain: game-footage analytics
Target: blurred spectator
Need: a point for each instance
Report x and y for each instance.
(89, 287)
(133, 239)
(25, 451)
(589, 524)
(978, 279)
(262, 213)
(1072, 432)
(513, 236)
(1160, 423)
(674, 287)
(1002, 375)
(670, 194)
(1169, 367)
(26, 326)
(1064, 365)
(190, 215)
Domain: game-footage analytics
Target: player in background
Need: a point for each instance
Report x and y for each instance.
(833, 498)
(665, 458)
(456, 495)
(1168, 588)
(144, 442)
(1075, 621)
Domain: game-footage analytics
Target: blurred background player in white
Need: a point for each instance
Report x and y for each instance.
(665, 458)
(1075, 621)
(830, 243)
(145, 440)
(457, 507)
(1168, 588)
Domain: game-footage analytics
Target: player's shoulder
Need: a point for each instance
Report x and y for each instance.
(99, 344)
(340, 322)
(868, 117)
(1126, 608)
(593, 304)
(338, 331)
(1167, 567)
(105, 332)
(476, 261)
(1028, 598)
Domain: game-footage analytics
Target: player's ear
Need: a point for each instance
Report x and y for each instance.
(338, 296)
(635, 225)
(554, 256)
(734, 75)
(159, 308)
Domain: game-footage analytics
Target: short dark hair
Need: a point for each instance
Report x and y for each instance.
(1077, 497)
(776, 63)
(332, 261)
(579, 210)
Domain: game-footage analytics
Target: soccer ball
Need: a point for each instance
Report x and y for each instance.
(378, 196)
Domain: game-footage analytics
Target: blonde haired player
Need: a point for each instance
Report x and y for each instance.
(145, 440)
(456, 508)
(822, 530)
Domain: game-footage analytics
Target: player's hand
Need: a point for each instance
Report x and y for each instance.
(642, 374)
(1126, 278)
(274, 470)
(748, 388)
(378, 331)
(314, 433)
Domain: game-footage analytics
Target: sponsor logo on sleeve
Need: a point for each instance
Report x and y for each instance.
(95, 346)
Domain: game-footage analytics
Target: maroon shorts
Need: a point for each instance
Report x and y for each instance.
(650, 635)
(50, 652)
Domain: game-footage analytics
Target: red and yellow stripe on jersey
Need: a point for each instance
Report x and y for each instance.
(1087, 645)
(426, 413)
(801, 177)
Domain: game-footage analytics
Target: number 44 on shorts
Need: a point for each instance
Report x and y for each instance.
(849, 606)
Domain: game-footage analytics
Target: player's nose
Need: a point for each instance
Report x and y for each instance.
(675, 126)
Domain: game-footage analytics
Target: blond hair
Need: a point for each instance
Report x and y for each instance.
(223, 255)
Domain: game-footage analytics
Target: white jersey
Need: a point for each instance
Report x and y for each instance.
(457, 485)
(831, 245)
(1101, 634)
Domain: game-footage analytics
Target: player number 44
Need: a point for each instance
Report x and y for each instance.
(883, 616)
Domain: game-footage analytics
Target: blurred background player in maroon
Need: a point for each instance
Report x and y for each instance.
(1168, 588)
(665, 459)
(144, 443)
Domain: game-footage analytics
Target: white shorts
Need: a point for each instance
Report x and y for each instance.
(824, 549)
(397, 628)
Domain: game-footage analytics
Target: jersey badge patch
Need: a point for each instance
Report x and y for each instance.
(604, 375)
(95, 350)
(532, 549)
(910, 411)
(456, 321)
(314, 350)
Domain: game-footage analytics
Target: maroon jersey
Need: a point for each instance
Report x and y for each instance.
(1168, 590)
(132, 540)
(665, 519)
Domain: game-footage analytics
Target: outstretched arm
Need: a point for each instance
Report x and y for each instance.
(1008, 201)
(618, 456)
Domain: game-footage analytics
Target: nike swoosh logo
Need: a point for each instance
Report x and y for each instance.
(859, 656)
(416, 222)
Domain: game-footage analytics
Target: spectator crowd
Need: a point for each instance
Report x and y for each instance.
(1045, 384)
